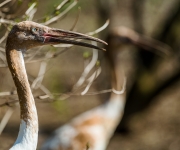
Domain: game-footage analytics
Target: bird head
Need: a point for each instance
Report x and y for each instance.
(28, 34)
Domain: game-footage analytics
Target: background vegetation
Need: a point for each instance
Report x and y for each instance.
(151, 119)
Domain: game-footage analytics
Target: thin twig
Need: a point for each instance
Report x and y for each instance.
(90, 80)
(62, 4)
(99, 29)
(87, 69)
(62, 51)
(8, 103)
(8, 93)
(37, 82)
(31, 79)
(64, 96)
(30, 8)
(52, 20)
(6, 118)
(3, 58)
(77, 18)
(4, 37)
(4, 3)
(31, 15)
(2, 49)
(42, 87)
(5, 21)
(34, 54)
(30, 12)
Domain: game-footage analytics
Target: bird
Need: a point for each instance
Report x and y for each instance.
(93, 129)
(22, 37)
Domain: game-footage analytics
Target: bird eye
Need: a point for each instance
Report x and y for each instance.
(34, 29)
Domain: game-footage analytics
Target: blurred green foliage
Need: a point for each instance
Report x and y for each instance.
(87, 54)
(61, 106)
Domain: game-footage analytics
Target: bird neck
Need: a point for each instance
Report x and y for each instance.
(28, 133)
(118, 80)
(114, 107)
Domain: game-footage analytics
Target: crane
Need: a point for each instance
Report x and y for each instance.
(23, 36)
(93, 129)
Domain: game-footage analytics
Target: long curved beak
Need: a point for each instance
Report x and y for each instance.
(57, 36)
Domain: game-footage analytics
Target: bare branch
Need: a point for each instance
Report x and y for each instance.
(4, 3)
(37, 82)
(4, 37)
(8, 103)
(62, 51)
(77, 18)
(99, 92)
(31, 15)
(91, 79)
(8, 93)
(87, 69)
(99, 29)
(63, 45)
(42, 87)
(64, 96)
(31, 11)
(52, 20)
(62, 4)
(30, 8)
(2, 49)
(5, 21)
(3, 58)
(5, 119)
(34, 54)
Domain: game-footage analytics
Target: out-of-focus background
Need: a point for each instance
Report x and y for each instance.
(151, 119)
